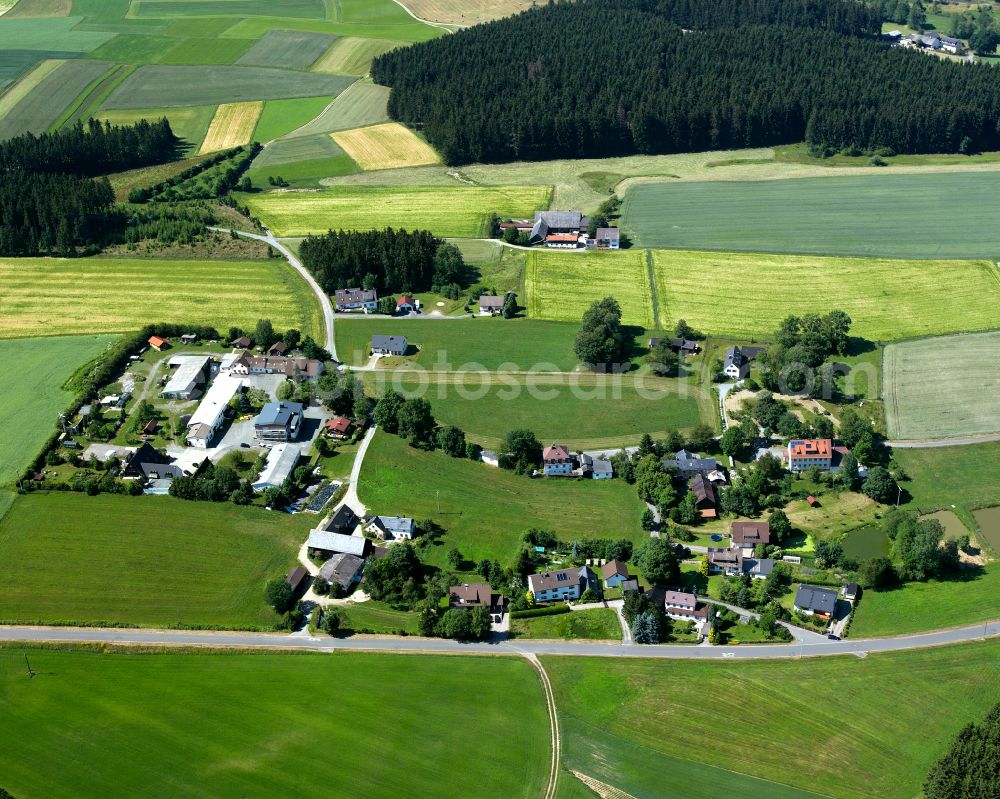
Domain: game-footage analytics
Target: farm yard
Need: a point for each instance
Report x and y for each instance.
(51, 296)
(563, 285)
(33, 372)
(941, 387)
(479, 502)
(232, 126)
(755, 292)
(449, 211)
(858, 708)
(182, 717)
(888, 215)
(386, 146)
(198, 564)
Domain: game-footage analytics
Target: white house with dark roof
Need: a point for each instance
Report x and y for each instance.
(560, 585)
(389, 345)
(811, 600)
(347, 300)
(391, 528)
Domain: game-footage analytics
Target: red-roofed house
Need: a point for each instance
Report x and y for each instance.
(158, 343)
(556, 460)
(338, 427)
(406, 304)
(807, 453)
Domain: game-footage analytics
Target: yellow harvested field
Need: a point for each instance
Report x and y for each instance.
(22, 88)
(386, 146)
(466, 12)
(232, 125)
(352, 55)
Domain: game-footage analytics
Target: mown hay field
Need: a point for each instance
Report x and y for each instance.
(32, 374)
(168, 9)
(949, 215)
(362, 103)
(941, 387)
(562, 285)
(738, 294)
(54, 296)
(353, 55)
(233, 125)
(50, 33)
(24, 87)
(288, 49)
(449, 211)
(281, 117)
(466, 12)
(49, 97)
(386, 146)
(40, 8)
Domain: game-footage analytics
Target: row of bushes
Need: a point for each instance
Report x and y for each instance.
(145, 194)
(548, 610)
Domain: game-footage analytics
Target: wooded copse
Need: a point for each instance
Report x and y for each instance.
(599, 78)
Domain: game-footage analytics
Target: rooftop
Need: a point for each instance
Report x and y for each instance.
(336, 542)
(819, 600)
(818, 448)
(278, 413)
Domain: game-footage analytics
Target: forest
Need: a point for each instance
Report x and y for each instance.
(599, 78)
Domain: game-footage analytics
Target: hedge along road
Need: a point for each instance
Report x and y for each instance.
(497, 646)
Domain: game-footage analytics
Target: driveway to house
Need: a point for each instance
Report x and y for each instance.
(413, 644)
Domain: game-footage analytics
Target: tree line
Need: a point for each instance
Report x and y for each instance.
(600, 78)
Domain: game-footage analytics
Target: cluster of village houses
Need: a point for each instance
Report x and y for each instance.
(564, 230)
(933, 41)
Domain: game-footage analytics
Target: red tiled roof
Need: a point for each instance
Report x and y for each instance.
(555, 452)
(819, 448)
(156, 341)
(406, 299)
(339, 424)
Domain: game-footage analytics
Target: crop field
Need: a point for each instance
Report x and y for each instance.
(898, 216)
(386, 146)
(619, 720)
(27, 84)
(134, 48)
(197, 564)
(362, 103)
(940, 387)
(447, 211)
(925, 297)
(15, 63)
(196, 51)
(581, 410)
(52, 95)
(940, 477)
(485, 510)
(301, 161)
(281, 117)
(157, 85)
(288, 49)
(229, 724)
(32, 373)
(304, 9)
(464, 12)
(50, 33)
(40, 8)
(190, 123)
(53, 296)
(233, 125)
(353, 55)
(563, 285)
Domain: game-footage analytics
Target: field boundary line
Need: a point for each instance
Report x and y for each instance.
(654, 291)
(84, 96)
(550, 705)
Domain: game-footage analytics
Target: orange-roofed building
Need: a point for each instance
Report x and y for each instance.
(809, 452)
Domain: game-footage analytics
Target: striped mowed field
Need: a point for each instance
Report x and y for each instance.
(232, 126)
(56, 296)
(386, 146)
(23, 88)
(353, 55)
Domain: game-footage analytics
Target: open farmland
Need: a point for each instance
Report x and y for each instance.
(939, 477)
(288, 49)
(449, 211)
(191, 124)
(222, 52)
(386, 146)
(156, 85)
(620, 721)
(563, 285)
(485, 510)
(232, 126)
(281, 117)
(352, 55)
(49, 97)
(230, 724)
(50, 33)
(748, 295)
(197, 564)
(32, 373)
(361, 103)
(25, 86)
(466, 12)
(897, 216)
(53, 296)
(40, 8)
(940, 387)
(301, 161)
(304, 9)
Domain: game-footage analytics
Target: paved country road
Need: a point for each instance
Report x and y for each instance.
(860, 647)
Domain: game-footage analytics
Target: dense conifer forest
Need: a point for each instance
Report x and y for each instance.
(599, 78)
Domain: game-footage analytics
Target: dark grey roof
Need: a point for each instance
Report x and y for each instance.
(351, 296)
(812, 597)
(610, 233)
(391, 343)
(560, 220)
(762, 566)
(344, 517)
(278, 413)
(341, 569)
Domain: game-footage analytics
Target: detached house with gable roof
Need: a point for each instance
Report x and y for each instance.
(557, 460)
(560, 585)
(746, 536)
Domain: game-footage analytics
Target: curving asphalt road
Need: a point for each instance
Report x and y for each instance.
(860, 647)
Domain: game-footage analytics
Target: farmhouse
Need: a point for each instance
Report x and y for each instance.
(561, 584)
(281, 461)
(158, 343)
(389, 345)
(704, 494)
(808, 453)
(746, 535)
(188, 378)
(475, 595)
(687, 464)
(391, 528)
(211, 412)
(338, 427)
(343, 521)
(490, 304)
(557, 461)
(342, 570)
(294, 368)
(812, 600)
(736, 365)
(348, 300)
(327, 543)
(295, 578)
(556, 228)
(242, 342)
(728, 561)
(681, 346)
(606, 238)
(277, 349)
(147, 463)
(278, 421)
(406, 304)
(601, 469)
(614, 573)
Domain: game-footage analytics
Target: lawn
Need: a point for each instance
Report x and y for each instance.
(484, 510)
(361, 103)
(580, 410)
(456, 211)
(377, 617)
(888, 215)
(940, 387)
(758, 291)
(599, 624)
(281, 117)
(288, 49)
(145, 561)
(471, 344)
(562, 285)
(644, 726)
(386, 146)
(352, 55)
(939, 477)
(32, 374)
(52, 296)
(934, 605)
(232, 126)
(315, 725)
(50, 97)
